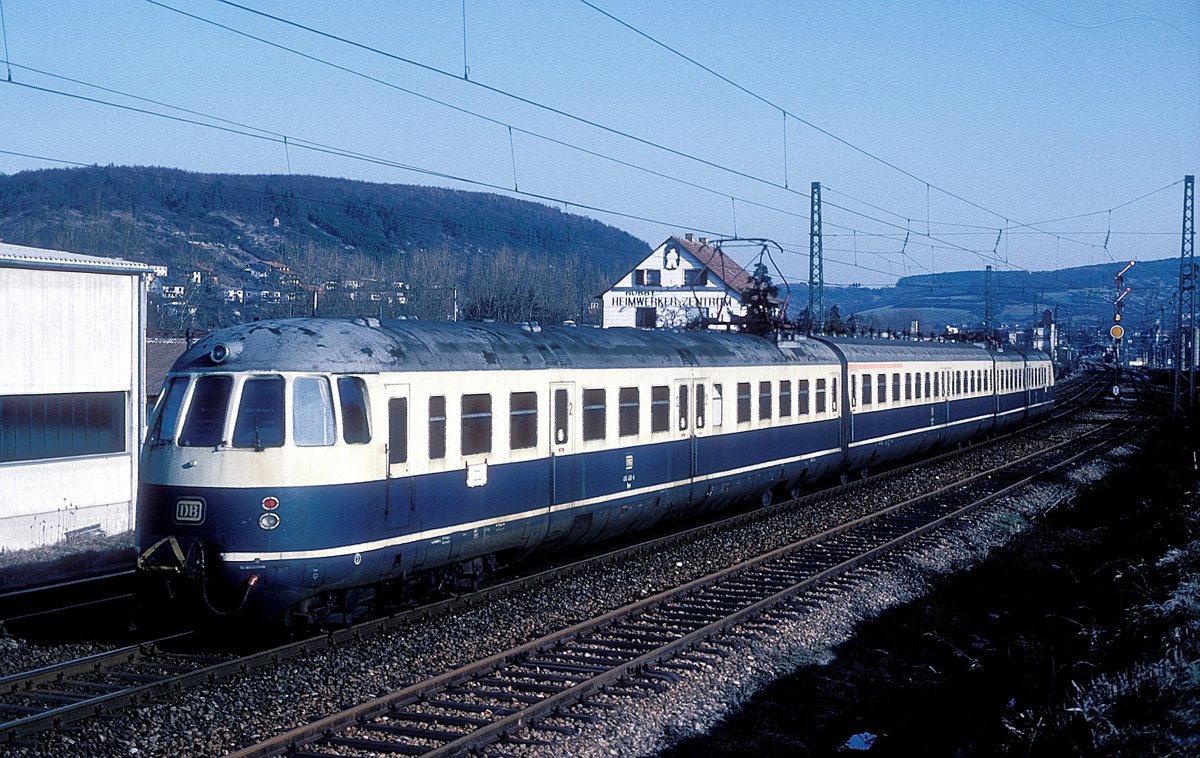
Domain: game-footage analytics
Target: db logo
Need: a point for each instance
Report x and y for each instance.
(189, 511)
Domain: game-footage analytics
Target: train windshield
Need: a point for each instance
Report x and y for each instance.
(163, 430)
(260, 414)
(206, 416)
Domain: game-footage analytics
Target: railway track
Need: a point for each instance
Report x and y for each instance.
(636, 649)
(78, 690)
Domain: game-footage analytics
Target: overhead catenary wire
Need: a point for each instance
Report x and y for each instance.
(735, 200)
(784, 110)
(507, 94)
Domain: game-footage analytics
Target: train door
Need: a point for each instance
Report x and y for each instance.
(563, 482)
(691, 422)
(399, 480)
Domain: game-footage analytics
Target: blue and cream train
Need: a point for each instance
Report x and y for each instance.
(290, 462)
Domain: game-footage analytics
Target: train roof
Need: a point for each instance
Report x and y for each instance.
(369, 346)
(872, 351)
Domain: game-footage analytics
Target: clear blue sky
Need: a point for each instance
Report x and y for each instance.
(1033, 110)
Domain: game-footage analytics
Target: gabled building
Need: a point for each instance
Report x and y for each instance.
(682, 280)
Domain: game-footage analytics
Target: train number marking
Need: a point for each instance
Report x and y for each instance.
(189, 511)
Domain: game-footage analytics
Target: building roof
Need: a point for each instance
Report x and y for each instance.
(161, 354)
(20, 256)
(716, 261)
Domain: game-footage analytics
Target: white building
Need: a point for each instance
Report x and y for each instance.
(72, 394)
(681, 280)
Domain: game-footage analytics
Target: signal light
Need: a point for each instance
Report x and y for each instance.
(1116, 317)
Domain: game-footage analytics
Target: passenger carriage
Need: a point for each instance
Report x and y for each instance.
(292, 459)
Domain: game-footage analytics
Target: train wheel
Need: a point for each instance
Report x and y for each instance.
(767, 498)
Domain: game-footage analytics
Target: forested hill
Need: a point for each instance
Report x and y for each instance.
(323, 229)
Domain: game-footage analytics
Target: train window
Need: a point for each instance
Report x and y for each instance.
(917, 383)
(820, 396)
(833, 395)
(881, 388)
(206, 415)
(660, 409)
(437, 427)
(683, 407)
(562, 406)
(718, 409)
(700, 401)
(928, 388)
(522, 420)
(866, 389)
(352, 393)
(163, 429)
(896, 387)
(476, 424)
(853, 390)
(743, 402)
(312, 412)
(957, 382)
(593, 414)
(398, 430)
(260, 413)
(764, 400)
(785, 398)
(802, 396)
(628, 410)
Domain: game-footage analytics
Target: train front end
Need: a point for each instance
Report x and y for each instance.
(256, 472)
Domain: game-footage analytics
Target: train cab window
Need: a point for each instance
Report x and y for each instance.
(743, 402)
(628, 411)
(718, 408)
(206, 415)
(352, 394)
(593, 414)
(764, 400)
(562, 408)
(476, 424)
(163, 430)
(785, 398)
(660, 409)
(683, 407)
(820, 396)
(312, 412)
(437, 427)
(896, 388)
(881, 388)
(866, 389)
(522, 420)
(398, 430)
(700, 402)
(260, 413)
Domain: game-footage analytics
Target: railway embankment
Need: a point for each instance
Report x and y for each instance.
(1080, 635)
